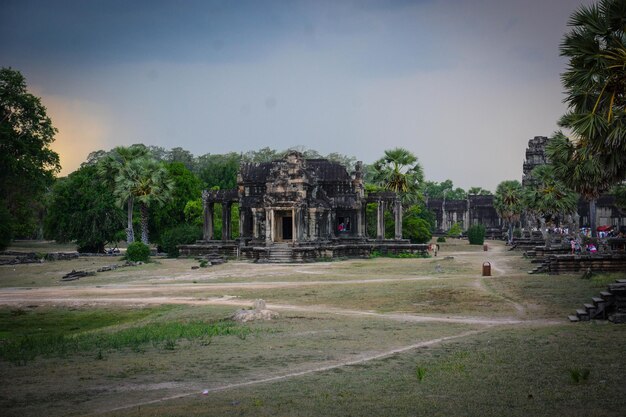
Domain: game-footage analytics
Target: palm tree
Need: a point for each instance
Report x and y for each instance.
(548, 197)
(115, 164)
(508, 202)
(146, 181)
(580, 170)
(595, 83)
(399, 171)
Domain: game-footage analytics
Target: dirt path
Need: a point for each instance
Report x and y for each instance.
(363, 359)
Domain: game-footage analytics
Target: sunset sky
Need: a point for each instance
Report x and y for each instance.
(462, 84)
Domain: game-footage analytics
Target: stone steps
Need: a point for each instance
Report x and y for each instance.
(611, 305)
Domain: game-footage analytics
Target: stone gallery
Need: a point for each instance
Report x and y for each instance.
(298, 209)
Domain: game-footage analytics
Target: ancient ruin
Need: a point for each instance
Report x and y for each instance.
(298, 209)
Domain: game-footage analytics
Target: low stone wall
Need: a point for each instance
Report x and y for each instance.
(556, 264)
(301, 252)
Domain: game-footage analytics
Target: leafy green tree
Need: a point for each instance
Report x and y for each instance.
(219, 170)
(509, 203)
(478, 191)
(415, 227)
(443, 190)
(595, 83)
(399, 171)
(27, 164)
(81, 208)
(187, 187)
(114, 167)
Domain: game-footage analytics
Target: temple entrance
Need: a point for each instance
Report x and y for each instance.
(287, 228)
(283, 229)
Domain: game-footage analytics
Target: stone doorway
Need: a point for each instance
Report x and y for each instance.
(287, 228)
(283, 231)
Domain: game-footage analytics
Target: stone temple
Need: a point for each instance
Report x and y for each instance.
(298, 209)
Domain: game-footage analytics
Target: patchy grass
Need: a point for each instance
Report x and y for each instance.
(53, 332)
(512, 372)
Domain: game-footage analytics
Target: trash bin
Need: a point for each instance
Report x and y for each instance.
(486, 269)
(485, 247)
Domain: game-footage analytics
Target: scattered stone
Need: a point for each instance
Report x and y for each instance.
(195, 267)
(438, 269)
(260, 312)
(448, 258)
(74, 275)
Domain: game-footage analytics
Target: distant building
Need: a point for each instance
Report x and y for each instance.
(297, 209)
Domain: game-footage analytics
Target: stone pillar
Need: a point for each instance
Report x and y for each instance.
(255, 224)
(208, 221)
(242, 222)
(269, 224)
(226, 220)
(359, 223)
(380, 220)
(398, 220)
(294, 225)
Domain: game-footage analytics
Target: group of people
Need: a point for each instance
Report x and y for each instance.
(578, 248)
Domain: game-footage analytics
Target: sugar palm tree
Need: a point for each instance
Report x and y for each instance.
(399, 171)
(117, 164)
(146, 181)
(595, 83)
(580, 170)
(548, 197)
(509, 203)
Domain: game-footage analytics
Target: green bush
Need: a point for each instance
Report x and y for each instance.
(441, 239)
(476, 234)
(179, 235)
(517, 232)
(417, 230)
(138, 251)
(455, 230)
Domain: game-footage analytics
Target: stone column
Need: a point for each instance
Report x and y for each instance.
(269, 224)
(359, 223)
(398, 219)
(226, 220)
(380, 221)
(255, 225)
(208, 221)
(242, 222)
(294, 228)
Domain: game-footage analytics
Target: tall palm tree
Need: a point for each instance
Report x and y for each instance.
(399, 171)
(115, 164)
(508, 202)
(595, 83)
(580, 170)
(548, 197)
(146, 181)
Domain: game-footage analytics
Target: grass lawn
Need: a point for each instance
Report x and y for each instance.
(148, 340)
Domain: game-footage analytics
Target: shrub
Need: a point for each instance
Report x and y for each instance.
(441, 239)
(417, 230)
(455, 230)
(476, 234)
(179, 235)
(138, 251)
(517, 232)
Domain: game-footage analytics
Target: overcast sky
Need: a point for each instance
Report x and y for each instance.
(462, 84)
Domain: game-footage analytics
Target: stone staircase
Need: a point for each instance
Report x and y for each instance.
(280, 253)
(611, 305)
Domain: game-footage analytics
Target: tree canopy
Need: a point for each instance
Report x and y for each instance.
(26, 160)
(595, 83)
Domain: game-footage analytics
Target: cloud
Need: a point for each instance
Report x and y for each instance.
(82, 129)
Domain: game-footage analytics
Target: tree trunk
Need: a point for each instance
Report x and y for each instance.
(144, 223)
(592, 217)
(130, 234)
